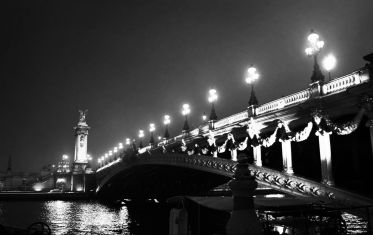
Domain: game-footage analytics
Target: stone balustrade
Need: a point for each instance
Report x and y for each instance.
(275, 105)
(236, 118)
(342, 83)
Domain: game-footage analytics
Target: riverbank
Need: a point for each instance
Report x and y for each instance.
(17, 196)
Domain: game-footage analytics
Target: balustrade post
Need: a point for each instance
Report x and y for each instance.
(326, 159)
(287, 157)
(315, 89)
(257, 152)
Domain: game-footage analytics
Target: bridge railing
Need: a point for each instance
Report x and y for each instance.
(275, 105)
(341, 83)
(330, 87)
(236, 118)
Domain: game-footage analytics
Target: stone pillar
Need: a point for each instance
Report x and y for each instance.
(326, 159)
(243, 218)
(257, 151)
(234, 155)
(72, 182)
(80, 156)
(286, 157)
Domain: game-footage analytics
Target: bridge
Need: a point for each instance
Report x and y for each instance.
(314, 143)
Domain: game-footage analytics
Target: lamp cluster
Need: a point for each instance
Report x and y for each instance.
(315, 44)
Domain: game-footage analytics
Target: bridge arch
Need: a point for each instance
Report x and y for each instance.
(172, 173)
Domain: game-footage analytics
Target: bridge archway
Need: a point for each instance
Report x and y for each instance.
(163, 175)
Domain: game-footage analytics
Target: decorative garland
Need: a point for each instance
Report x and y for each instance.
(326, 126)
(269, 141)
(283, 133)
(303, 134)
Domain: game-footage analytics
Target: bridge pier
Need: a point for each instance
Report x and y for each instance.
(326, 159)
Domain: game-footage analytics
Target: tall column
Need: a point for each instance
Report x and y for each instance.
(257, 151)
(326, 159)
(286, 156)
(80, 156)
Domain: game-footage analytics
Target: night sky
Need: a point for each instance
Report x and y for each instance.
(131, 62)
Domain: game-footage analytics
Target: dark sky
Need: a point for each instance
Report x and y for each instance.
(130, 62)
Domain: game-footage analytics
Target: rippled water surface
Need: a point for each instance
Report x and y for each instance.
(93, 217)
(80, 217)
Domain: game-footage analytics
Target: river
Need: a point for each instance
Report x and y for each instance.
(81, 217)
(129, 217)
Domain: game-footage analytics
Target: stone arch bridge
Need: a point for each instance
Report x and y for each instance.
(305, 132)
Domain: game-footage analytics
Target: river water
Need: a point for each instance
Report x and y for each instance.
(85, 217)
(129, 217)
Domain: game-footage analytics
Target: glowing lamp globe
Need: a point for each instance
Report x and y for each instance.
(166, 119)
(186, 109)
(213, 95)
(329, 62)
(151, 127)
(141, 133)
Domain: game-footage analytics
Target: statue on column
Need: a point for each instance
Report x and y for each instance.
(82, 115)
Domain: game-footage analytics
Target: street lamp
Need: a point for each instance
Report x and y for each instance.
(185, 111)
(120, 145)
(166, 122)
(128, 141)
(204, 117)
(213, 96)
(251, 76)
(314, 47)
(141, 135)
(329, 63)
(151, 129)
(65, 157)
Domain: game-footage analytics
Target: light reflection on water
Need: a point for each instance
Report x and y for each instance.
(66, 217)
(355, 224)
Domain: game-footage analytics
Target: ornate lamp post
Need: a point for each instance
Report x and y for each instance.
(151, 130)
(213, 96)
(185, 111)
(166, 122)
(314, 47)
(141, 135)
(106, 156)
(110, 155)
(204, 117)
(251, 76)
(120, 146)
(128, 142)
(329, 63)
